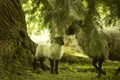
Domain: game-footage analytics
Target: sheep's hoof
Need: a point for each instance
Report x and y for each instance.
(37, 71)
(98, 76)
(43, 69)
(56, 72)
(103, 72)
(52, 72)
(117, 71)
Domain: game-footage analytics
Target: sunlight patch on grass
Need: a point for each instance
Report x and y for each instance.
(70, 50)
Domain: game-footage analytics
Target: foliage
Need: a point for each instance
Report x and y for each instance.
(33, 20)
(113, 12)
(54, 8)
(23, 1)
(42, 12)
(58, 14)
(55, 11)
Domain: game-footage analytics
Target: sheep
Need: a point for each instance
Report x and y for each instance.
(52, 51)
(95, 47)
(113, 39)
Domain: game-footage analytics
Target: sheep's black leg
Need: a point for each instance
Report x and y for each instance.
(34, 64)
(99, 67)
(117, 71)
(94, 62)
(103, 72)
(56, 66)
(42, 63)
(99, 71)
(100, 62)
(52, 65)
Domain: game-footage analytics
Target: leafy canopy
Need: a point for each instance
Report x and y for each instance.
(57, 15)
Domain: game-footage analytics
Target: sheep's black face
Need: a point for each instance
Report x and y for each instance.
(70, 30)
(59, 40)
(74, 27)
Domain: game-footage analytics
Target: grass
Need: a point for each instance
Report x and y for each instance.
(73, 51)
(77, 72)
(74, 71)
(82, 70)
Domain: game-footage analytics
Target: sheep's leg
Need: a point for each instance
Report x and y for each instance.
(52, 65)
(117, 71)
(34, 64)
(42, 63)
(94, 62)
(100, 62)
(99, 67)
(56, 66)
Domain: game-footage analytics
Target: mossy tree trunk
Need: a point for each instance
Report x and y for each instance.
(16, 48)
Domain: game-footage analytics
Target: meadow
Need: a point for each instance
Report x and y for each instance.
(78, 72)
(76, 66)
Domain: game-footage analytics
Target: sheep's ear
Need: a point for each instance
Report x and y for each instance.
(54, 38)
(81, 23)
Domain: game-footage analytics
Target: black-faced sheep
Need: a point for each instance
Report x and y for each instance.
(95, 45)
(52, 51)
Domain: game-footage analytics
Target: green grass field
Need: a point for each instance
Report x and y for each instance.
(71, 67)
(82, 70)
(77, 72)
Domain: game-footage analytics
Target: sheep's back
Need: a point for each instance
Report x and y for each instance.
(52, 51)
(113, 39)
(43, 50)
(115, 50)
(56, 51)
(93, 46)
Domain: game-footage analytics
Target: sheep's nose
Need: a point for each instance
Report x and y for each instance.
(63, 43)
(70, 32)
(67, 32)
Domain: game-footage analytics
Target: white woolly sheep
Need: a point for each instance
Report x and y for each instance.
(52, 51)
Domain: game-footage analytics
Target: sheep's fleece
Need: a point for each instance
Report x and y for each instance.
(53, 51)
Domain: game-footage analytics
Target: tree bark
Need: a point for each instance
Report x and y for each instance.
(16, 48)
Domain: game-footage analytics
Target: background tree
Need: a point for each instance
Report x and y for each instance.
(59, 14)
(15, 46)
(63, 11)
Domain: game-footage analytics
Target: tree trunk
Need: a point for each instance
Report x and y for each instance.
(16, 48)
